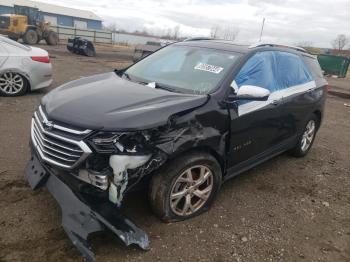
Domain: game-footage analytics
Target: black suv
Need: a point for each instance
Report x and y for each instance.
(181, 122)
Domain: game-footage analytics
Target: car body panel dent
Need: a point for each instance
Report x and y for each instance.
(83, 215)
(117, 105)
(195, 130)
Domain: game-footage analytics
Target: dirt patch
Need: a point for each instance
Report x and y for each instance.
(286, 209)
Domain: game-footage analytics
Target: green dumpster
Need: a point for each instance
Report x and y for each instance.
(334, 65)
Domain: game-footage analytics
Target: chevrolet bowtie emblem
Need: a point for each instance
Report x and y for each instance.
(48, 125)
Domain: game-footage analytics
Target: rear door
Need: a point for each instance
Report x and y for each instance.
(297, 87)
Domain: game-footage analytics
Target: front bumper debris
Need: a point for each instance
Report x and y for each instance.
(83, 215)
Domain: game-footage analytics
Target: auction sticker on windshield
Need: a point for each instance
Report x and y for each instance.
(209, 68)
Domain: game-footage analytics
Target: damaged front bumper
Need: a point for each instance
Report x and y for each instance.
(82, 214)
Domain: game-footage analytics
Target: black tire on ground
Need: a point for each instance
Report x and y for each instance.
(30, 37)
(90, 52)
(298, 150)
(20, 88)
(14, 38)
(166, 179)
(52, 38)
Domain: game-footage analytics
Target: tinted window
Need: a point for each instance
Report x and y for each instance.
(314, 66)
(186, 69)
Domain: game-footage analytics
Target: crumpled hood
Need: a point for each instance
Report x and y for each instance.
(107, 102)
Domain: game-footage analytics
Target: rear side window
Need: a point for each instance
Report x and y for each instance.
(274, 70)
(291, 70)
(314, 66)
(10, 42)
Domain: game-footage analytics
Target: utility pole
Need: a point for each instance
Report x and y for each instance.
(262, 29)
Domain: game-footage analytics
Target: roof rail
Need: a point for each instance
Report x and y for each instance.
(278, 45)
(198, 39)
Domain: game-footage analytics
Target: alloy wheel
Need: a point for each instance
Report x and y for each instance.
(11, 83)
(191, 190)
(308, 135)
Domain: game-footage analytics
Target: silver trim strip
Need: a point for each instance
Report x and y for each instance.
(81, 144)
(52, 154)
(62, 128)
(36, 125)
(38, 137)
(275, 44)
(53, 143)
(275, 96)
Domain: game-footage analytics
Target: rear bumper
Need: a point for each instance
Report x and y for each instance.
(83, 214)
(40, 75)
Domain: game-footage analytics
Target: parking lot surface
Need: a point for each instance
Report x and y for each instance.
(287, 209)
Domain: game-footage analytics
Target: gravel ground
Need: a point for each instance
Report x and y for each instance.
(286, 209)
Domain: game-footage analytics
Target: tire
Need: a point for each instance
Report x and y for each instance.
(30, 37)
(52, 38)
(14, 38)
(90, 53)
(13, 84)
(172, 179)
(301, 149)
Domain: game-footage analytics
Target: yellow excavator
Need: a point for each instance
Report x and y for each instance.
(27, 24)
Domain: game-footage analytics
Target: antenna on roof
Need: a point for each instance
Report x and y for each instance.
(262, 29)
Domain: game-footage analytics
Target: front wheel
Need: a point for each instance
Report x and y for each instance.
(30, 37)
(307, 138)
(185, 187)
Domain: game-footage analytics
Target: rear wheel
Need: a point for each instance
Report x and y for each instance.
(186, 187)
(12, 84)
(13, 37)
(52, 38)
(30, 37)
(307, 138)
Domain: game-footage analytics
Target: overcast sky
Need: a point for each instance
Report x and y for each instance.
(290, 21)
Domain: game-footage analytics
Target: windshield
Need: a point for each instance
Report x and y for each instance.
(184, 69)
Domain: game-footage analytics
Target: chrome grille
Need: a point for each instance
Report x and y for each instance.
(55, 148)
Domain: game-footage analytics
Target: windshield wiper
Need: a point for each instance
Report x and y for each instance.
(126, 75)
(161, 86)
(120, 73)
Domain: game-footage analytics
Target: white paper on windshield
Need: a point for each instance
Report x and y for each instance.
(209, 68)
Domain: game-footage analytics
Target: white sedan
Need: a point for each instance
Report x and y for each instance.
(22, 68)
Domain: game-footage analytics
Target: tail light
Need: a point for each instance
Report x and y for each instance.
(328, 87)
(41, 59)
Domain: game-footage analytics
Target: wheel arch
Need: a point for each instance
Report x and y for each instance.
(203, 149)
(318, 114)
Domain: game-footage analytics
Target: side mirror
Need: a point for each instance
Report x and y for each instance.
(248, 92)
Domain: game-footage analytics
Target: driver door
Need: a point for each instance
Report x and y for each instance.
(256, 126)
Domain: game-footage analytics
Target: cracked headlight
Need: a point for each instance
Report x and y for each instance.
(124, 143)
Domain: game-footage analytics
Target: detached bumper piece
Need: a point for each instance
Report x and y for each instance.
(81, 215)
